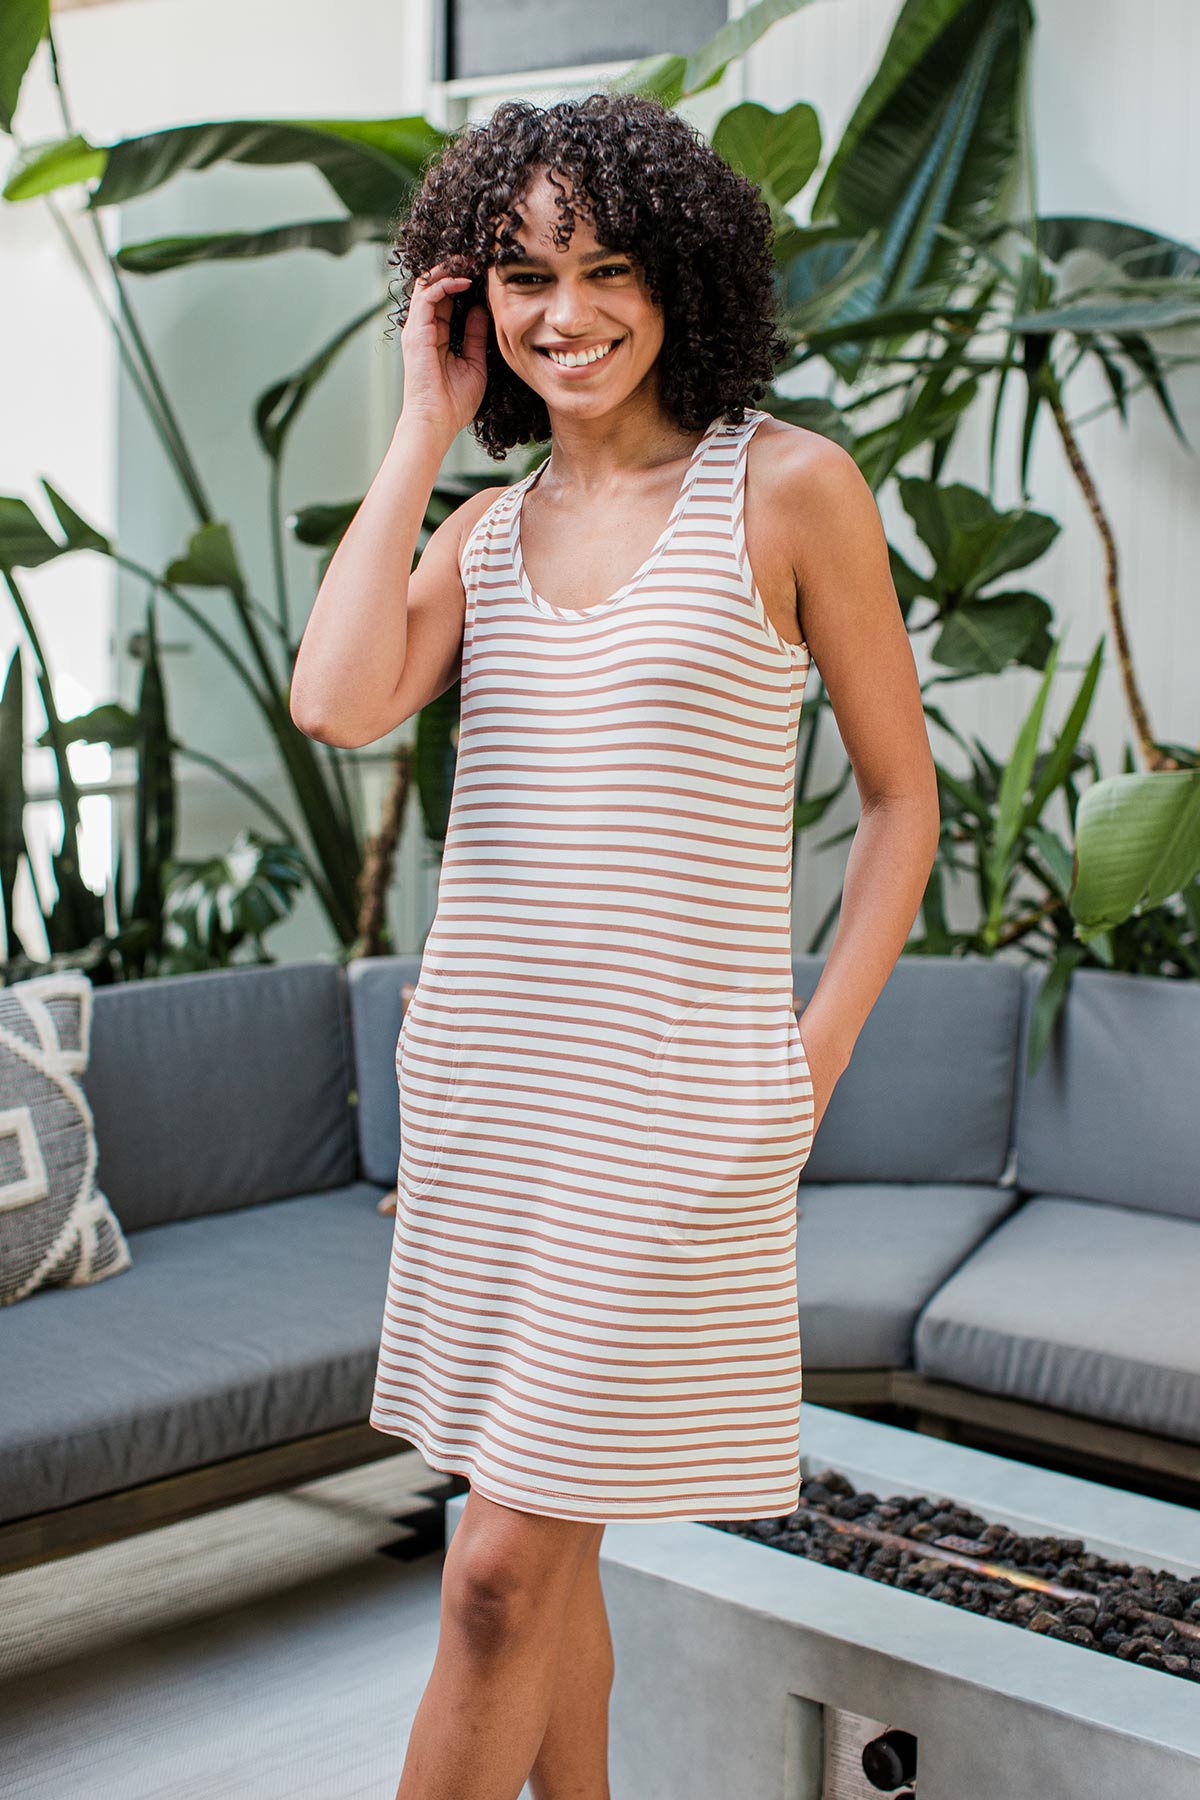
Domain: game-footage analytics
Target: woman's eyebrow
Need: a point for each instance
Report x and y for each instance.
(592, 256)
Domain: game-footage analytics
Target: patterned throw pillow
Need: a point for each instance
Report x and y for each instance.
(56, 1229)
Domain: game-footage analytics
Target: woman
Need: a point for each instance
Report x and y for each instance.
(606, 1097)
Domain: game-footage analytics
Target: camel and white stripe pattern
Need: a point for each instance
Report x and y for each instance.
(605, 1100)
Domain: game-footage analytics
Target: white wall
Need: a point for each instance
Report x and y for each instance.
(1115, 134)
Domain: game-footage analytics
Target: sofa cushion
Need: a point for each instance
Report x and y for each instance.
(228, 1334)
(56, 1227)
(1123, 1059)
(928, 1093)
(376, 984)
(1087, 1308)
(868, 1257)
(221, 1089)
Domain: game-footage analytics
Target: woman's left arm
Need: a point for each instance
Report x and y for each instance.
(851, 620)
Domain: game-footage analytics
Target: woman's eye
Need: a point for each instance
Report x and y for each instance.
(525, 277)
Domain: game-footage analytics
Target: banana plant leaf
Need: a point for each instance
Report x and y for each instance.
(434, 761)
(24, 541)
(156, 806)
(369, 164)
(813, 413)
(933, 142)
(336, 237)
(1137, 253)
(278, 407)
(1106, 285)
(1137, 842)
(23, 29)
(672, 78)
(12, 798)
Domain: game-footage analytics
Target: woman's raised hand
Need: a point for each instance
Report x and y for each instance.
(442, 390)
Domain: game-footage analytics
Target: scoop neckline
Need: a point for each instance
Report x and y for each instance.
(644, 567)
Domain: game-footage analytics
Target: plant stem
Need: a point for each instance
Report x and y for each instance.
(69, 793)
(281, 594)
(69, 879)
(288, 830)
(202, 623)
(379, 857)
(331, 835)
(1154, 757)
(156, 401)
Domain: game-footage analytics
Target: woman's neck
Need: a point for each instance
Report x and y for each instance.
(599, 454)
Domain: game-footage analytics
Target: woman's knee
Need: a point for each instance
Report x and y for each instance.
(508, 1571)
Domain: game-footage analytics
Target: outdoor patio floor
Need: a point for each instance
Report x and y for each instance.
(261, 1652)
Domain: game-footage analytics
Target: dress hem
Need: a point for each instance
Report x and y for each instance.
(519, 1502)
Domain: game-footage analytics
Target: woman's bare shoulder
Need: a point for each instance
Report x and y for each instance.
(473, 509)
(799, 463)
(810, 490)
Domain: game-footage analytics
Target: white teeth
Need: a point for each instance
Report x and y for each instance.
(574, 359)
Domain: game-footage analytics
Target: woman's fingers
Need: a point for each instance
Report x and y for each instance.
(434, 286)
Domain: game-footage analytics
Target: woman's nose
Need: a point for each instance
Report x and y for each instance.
(569, 307)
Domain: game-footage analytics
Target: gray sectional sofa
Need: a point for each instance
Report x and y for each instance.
(1013, 1260)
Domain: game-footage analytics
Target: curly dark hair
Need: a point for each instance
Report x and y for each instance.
(652, 187)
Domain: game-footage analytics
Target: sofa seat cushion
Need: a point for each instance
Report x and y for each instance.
(228, 1333)
(869, 1254)
(1078, 1305)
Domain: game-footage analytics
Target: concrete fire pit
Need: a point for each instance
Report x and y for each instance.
(744, 1673)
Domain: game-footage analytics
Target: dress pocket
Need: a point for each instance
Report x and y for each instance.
(427, 1058)
(731, 1119)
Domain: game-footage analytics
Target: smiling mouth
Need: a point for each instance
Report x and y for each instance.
(579, 359)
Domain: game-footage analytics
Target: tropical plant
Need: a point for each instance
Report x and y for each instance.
(161, 927)
(1125, 897)
(918, 284)
(215, 905)
(916, 262)
(972, 545)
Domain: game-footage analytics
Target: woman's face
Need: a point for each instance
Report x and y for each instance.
(577, 325)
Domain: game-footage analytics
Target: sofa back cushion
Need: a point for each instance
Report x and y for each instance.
(928, 1093)
(1113, 1111)
(221, 1089)
(375, 984)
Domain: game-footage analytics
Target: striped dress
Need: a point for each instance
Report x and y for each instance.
(605, 1100)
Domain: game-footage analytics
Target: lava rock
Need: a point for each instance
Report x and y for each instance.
(1132, 1613)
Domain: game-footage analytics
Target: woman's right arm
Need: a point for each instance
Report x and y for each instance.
(380, 643)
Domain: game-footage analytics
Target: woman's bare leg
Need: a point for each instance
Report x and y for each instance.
(506, 1584)
(572, 1763)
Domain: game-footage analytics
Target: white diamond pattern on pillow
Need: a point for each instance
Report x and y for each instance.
(56, 1228)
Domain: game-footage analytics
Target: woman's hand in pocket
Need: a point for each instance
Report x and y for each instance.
(824, 1064)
